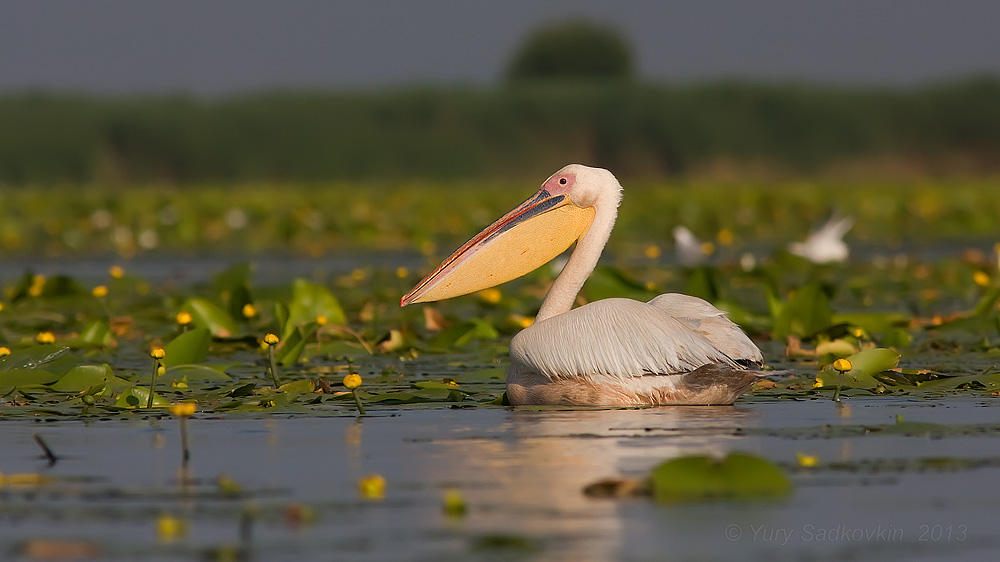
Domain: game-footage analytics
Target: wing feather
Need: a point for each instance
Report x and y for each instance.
(623, 338)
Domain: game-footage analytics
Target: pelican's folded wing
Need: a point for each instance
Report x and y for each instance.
(615, 338)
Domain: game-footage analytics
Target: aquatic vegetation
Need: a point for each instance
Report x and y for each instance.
(895, 293)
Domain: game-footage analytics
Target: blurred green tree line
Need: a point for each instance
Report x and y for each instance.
(523, 129)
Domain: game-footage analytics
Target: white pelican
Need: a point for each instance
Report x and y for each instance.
(675, 349)
(690, 250)
(825, 245)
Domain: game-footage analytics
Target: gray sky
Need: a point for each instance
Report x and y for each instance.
(224, 46)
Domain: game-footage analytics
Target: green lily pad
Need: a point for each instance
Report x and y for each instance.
(17, 378)
(738, 476)
(806, 312)
(864, 366)
(84, 377)
(31, 357)
(309, 302)
(187, 348)
(96, 334)
(209, 315)
(138, 396)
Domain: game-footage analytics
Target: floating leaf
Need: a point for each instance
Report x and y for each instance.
(194, 374)
(738, 476)
(96, 334)
(290, 350)
(84, 377)
(31, 357)
(138, 396)
(209, 315)
(302, 386)
(17, 378)
(806, 312)
(864, 366)
(188, 348)
(309, 302)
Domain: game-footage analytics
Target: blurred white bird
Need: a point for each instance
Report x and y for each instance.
(825, 245)
(691, 252)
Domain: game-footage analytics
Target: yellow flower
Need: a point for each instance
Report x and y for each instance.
(183, 410)
(157, 353)
(725, 237)
(402, 272)
(169, 528)
(45, 337)
(454, 503)
(981, 278)
(183, 318)
(807, 461)
(522, 321)
(818, 383)
(352, 381)
(652, 251)
(271, 339)
(100, 291)
(321, 320)
(491, 295)
(358, 275)
(1, 306)
(4, 352)
(842, 365)
(249, 311)
(116, 272)
(37, 285)
(372, 487)
(23, 479)
(707, 248)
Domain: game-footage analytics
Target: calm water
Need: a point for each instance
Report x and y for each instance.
(521, 473)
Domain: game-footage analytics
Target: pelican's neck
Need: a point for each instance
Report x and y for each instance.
(583, 260)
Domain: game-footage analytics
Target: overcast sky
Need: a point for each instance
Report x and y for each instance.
(225, 46)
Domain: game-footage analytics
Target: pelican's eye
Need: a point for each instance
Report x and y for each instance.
(562, 181)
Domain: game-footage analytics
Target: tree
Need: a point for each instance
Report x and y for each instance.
(572, 50)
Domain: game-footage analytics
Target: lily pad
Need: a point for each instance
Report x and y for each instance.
(738, 476)
(187, 348)
(309, 302)
(84, 377)
(210, 315)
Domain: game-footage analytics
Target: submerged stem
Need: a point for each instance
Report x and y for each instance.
(186, 455)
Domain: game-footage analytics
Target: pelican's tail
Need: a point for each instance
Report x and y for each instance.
(715, 384)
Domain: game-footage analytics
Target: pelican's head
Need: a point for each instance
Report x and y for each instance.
(527, 237)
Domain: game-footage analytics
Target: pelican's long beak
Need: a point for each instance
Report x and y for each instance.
(536, 231)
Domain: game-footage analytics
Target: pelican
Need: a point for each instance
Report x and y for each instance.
(674, 349)
(690, 250)
(825, 245)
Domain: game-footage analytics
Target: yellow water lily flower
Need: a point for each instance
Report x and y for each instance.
(372, 487)
(807, 461)
(842, 365)
(352, 381)
(182, 410)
